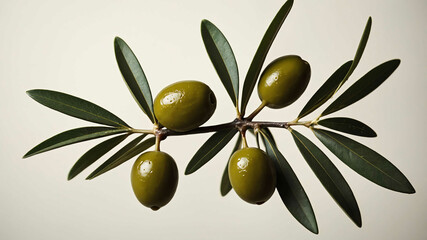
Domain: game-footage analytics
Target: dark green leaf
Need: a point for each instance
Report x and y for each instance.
(222, 57)
(359, 52)
(73, 136)
(348, 125)
(329, 176)
(75, 107)
(269, 135)
(124, 154)
(365, 161)
(134, 77)
(225, 181)
(290, 188)
(365, 85)
(261, 53)
(326, 91)
(94, 154)
(209, 149)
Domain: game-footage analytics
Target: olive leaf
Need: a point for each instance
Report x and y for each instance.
(289, 187)
(365, 85)
(94, 154)
(134, 77)
(329, 176)
(73, 136)
(75, 107)
(359, 51)
(222, 57)
(326, 91)
(129, 151)
(365, 161)
(209, 149)
(348, 125)
(225, 180)
(338, 78)
(261, 53)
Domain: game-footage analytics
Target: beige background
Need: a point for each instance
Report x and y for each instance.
(68, 46)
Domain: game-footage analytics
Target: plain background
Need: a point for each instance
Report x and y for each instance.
(68, 46)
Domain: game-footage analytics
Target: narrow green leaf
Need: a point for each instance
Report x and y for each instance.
(222, 57)
(365, 161)
(359, 52)
(326, 91)
(134, 77)
(73, 136)
(261, 53)
(75, 107)
(225, 181)
(113, 161)
(329, 176)
(290, 188)
(365, 85)
(348, 125)
(94, 154)
(269, 135)
(209, 149)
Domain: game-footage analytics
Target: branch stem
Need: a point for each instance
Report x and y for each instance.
(256, 111)
(236, 123)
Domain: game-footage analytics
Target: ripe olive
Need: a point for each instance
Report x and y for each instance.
(252, 175)
(283, 81)
(154, 179)
(184, 105)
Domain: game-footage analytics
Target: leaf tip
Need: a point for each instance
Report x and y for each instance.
(70, 176)
(204, 21)
(411, 189)
(188, 171)
(117, 39)
(90, 177)
(29, 92)
(29, 154)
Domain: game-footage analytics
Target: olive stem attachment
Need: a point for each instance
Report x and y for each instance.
(257, 110)
(244, 141)
(157, 146)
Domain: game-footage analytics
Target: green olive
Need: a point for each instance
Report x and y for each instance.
(252, 175)
(184, 105)
(154, 179)
(283, 81)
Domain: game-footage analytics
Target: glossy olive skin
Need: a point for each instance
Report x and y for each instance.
(283, 81)
(184, 105)
(154, 179)
(252, 175)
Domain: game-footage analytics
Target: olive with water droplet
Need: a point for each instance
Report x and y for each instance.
(184, 105)
(154, 179)
(252, 175)
(283, 81)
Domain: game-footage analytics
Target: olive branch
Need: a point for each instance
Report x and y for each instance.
(358, 157)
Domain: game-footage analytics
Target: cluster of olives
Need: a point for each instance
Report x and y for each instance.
(186, 105)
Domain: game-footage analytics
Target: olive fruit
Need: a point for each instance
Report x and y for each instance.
(184, 105)
(252, 175)
(283, 81)
(154, 179)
